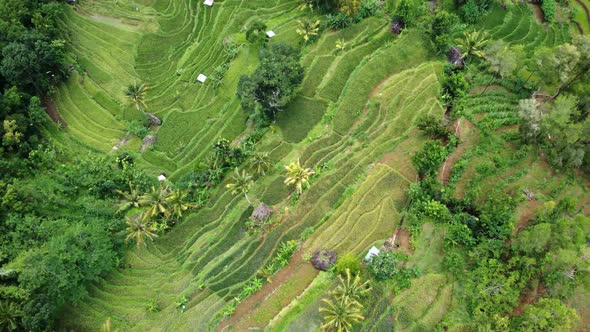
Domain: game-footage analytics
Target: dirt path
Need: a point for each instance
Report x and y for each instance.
(539, 16)
(467, 133)
(527, 298)
(297, 270)
(527, 213)
(51, 110)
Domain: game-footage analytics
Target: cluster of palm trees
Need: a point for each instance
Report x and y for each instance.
(260, 163)
(344, 308)
(159, 204)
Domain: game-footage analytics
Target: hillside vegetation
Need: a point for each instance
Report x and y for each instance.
(470, 178)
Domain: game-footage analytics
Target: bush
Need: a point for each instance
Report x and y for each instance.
(338, 21)
(323, 259)
(432, 127)
(256, 32)
(548, 7)
(348, 261)
(430, 158)
(137, 128)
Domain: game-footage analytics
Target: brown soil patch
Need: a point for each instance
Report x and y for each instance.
(297, 269)
(51, 110)
(467, 133)
(529, 297)
(527, 212)
(538, 12)
(403, 240)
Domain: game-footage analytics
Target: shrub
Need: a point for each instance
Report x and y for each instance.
(256, 32)
(432, 127)
(348, 261)
(548, 7)
(430, 158)
(323, 259)
(137, 128)
(338, 21)
(387, 265)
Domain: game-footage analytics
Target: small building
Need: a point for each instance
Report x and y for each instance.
(161, 177)
(261, 214)
(270, 34)
(201, 78)
(208, 3)
(455, 57)
(372, 252)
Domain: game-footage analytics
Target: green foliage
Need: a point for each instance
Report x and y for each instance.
(547, 315)
(409, 12)
(256, 32)
(137, 128)
(388, 265)
(272, 85)
(549, 8)
(348, 262)
(432, 127)
(453, 85)
(430, 158)
(440, 29)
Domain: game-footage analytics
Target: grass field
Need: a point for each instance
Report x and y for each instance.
(353, 121)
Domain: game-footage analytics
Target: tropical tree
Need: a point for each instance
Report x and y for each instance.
(130, 199)
(241, 184)
(106, 327)
(10, 316)
(472, 44)
(261, 163)
(340, 314)
(177, 202)
(156, 201)
(297, 175)
(307, 28)
(351, 287)
(136, 94)
(138, 228)
(341, 45)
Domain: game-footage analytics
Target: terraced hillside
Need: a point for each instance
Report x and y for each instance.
(353, 121)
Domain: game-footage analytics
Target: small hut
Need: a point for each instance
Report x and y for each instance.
(455, 57)
(270, 34)
(161, 177)
(324, 259)
(201, 78)
(397, 26)
(153, 119)
(372, 252)
(208, 3)
(261, 214)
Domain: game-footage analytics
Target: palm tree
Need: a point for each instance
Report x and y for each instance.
(177, 202)
(308, 28)
(139, 228)
(130, 199)
(341, 45)
(352, 288)
(472, 44)
(297, 175)
(136, 93)
(340, 314)
(156, 202)
(10, 316)
(261, 163)
(241, 185)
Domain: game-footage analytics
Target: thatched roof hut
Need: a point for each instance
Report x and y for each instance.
(153, 119)
(323, 259)
(261, 213)
(455, 57)
(397, 26)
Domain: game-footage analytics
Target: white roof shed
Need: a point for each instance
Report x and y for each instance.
(372, 252)
(208, 3)
(270, 34)
(201, 78)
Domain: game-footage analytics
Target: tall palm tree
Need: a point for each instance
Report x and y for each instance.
(308, 28)
(340, 314)
(297, 175)
(261, 163)
(130, 199)
(177, 201)
(136, 93)
(472, 44)
(156, 201)
(139, 228)
(351, 288)
(241, 184)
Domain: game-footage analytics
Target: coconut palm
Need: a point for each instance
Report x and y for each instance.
(261, 163)
(340, 314)
(130, 199)
(241, 184)
(138, 228)
(297, 175)
(136, 93)
(177, 201)
(341, 45)
(10, 316)
(156, 201)
(308, 28)
(472, 44)
(351, 287)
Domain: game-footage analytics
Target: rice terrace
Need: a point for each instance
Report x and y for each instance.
(294, 165)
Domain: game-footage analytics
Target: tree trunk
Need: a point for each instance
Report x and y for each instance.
(247, 199)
